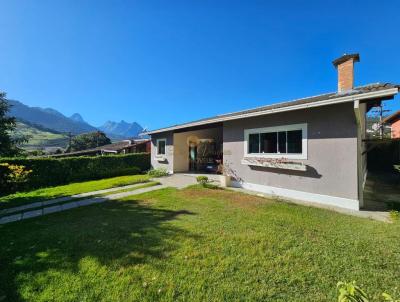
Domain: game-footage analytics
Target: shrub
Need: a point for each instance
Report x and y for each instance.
(160, 172)
(12, 176)
(53, 171)
(350, 292)
(395, 215)
(389, 298)
(203, 180)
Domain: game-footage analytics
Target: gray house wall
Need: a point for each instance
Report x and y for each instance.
(332, 153)
(169, 150)
(333, 145)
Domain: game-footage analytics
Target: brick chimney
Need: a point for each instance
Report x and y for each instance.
(345, 68)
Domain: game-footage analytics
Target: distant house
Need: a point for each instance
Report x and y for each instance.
(394, 122)
(122, 147)
(311, 149)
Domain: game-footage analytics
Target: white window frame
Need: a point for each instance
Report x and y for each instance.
(165, 149)
(302, 127)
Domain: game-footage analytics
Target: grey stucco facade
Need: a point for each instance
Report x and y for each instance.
(168, 163)
(331, 146)
(331, 165)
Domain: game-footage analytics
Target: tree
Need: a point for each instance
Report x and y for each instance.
(8, 145)
(88, 141)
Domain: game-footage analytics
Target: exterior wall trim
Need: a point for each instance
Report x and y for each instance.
(351, 204)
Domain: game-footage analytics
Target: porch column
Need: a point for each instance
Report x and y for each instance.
(359, 111)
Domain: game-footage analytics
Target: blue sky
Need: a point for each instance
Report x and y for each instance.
(166, 62)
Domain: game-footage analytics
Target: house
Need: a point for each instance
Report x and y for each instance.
(394, 122)
(309, 149)
(122, 147)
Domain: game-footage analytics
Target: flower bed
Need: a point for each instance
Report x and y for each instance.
(277, 163)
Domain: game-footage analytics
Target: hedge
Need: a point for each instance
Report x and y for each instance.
(52, 171)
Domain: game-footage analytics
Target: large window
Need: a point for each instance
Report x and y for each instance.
(288, 141)
(161, 144)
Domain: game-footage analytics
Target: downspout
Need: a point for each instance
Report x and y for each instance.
(360, 168)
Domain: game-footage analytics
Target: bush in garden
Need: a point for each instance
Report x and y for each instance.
(389, 298)
(12, 176)
(351, 292)
(203, 180)
(160, 172)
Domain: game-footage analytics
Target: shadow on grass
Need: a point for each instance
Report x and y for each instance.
(115, 234)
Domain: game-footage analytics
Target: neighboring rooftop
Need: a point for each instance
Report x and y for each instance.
(290, 105)
(392, 118)
(110, 148)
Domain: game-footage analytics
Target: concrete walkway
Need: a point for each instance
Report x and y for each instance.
(74, 204)
(66, 198)
(182, 180)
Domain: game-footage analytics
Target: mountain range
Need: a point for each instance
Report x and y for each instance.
(54, 120)
(122, 129)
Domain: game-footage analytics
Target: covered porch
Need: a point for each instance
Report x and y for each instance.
(198, 149)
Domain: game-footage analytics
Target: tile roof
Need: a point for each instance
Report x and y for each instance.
(118, 146)
(322, 97)
(392, 118)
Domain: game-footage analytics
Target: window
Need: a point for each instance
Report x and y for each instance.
(268, 142)
(288, 141)
(294, 141)
(254, 143)
(161, 144)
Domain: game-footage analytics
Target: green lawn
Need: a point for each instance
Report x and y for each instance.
(195, 245)
(18, 199)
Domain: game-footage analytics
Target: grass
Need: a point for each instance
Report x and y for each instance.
(144, 185)
(196, 244)
(132, 189)
(21, 198)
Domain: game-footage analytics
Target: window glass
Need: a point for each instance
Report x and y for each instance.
(294, 141)
(282, 142)
(161, 147)
(254, 143)
(268, 142)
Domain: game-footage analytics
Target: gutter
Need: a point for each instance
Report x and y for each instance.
(345, 99)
